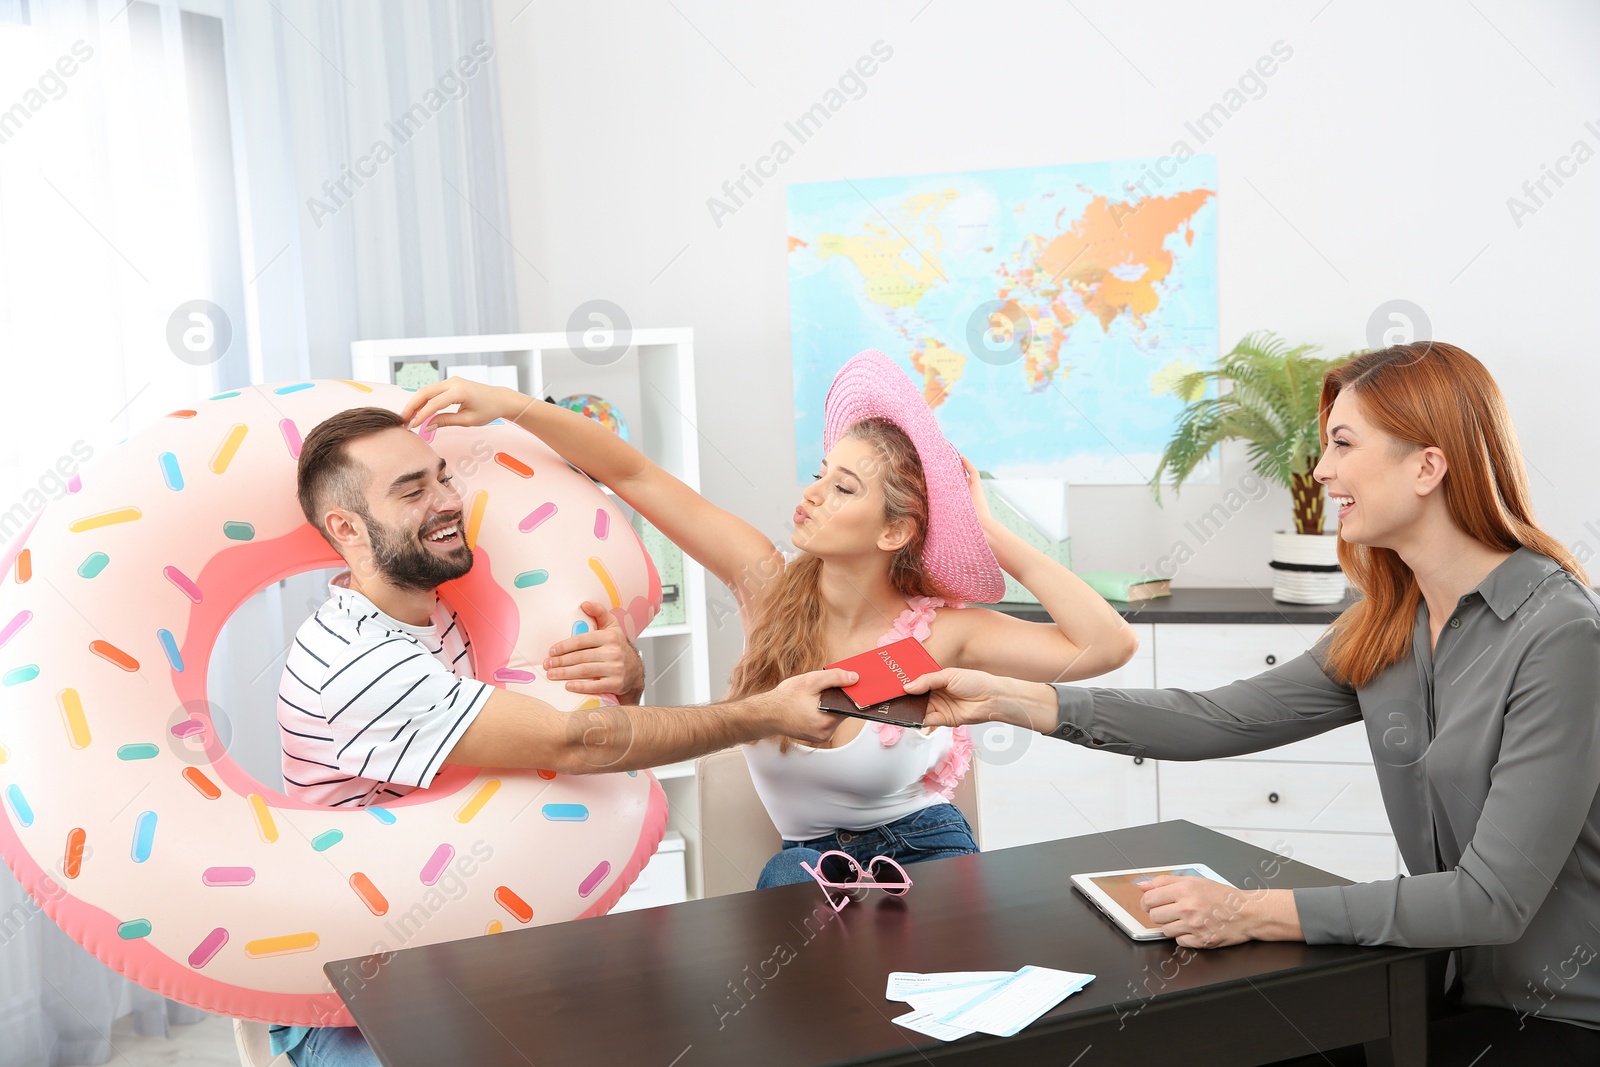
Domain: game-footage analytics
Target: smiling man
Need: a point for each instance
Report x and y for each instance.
(391, 713)
(378, 693)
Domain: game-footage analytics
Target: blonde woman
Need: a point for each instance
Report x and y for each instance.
(894, 539)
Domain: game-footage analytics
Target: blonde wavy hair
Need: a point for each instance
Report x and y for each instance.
(785, 637)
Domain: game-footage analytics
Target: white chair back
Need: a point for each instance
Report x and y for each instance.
(736, 836)
(255, 1047)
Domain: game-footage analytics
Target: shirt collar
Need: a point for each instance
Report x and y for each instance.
(1508, 586)
(339, 586)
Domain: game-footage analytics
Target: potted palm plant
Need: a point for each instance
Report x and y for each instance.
(1271, 403)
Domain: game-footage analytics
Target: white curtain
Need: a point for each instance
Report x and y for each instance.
(318, 171)
(368, 144)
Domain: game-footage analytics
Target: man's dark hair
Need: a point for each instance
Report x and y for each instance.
(327, 475)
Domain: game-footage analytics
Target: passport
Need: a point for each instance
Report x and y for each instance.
(884, 672)
(907, 709)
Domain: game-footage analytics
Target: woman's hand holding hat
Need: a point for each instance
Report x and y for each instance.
(980, 502)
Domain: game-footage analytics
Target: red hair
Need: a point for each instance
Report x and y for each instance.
(1428, 393)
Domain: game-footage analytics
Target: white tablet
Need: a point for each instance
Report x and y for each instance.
(1114, 893)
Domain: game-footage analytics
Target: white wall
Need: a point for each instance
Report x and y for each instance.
(1376, 165)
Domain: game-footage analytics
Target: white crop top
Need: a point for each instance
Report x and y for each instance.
(882, 774)
(811, 792)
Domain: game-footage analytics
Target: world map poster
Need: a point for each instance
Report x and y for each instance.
(1046, 312)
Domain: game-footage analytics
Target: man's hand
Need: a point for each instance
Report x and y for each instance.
(796, 705)
(600, 661)
(959, 697)
(479, 404)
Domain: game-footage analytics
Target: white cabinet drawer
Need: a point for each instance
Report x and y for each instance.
(1198, 657)
(1358, 857)
(664, 879)
(1204, 656)
(1283, 796)
(1040, 788)
(1037, 788)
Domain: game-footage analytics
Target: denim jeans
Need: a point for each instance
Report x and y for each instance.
(333, 1046)
(930, 834)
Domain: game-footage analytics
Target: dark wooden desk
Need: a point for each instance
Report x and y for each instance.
(773, 978)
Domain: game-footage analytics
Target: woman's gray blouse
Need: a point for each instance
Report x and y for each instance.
(1488, 755)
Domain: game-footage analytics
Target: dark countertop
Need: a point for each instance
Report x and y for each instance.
(1207, 606)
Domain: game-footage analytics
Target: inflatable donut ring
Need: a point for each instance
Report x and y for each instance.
(128, 821)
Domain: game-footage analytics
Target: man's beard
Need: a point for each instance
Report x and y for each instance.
(403, 560)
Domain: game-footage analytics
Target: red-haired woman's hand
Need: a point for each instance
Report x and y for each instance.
(1200, 913)
(960, 696)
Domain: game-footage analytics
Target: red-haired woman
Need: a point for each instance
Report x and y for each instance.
(1473, 656)
(894, 537)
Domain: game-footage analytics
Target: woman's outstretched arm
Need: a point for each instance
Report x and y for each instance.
(1289, 703)
(730, 548)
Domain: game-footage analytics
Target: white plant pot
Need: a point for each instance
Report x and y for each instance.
(1293, 584)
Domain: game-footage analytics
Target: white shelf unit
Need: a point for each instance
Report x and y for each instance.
(652, 384)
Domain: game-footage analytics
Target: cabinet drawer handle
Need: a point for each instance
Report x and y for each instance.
(1272, 798)
(1271, 659)
(1138, 761)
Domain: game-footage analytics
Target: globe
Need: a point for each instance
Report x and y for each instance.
(599, 409)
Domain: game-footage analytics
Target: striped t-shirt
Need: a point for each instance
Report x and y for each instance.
(369, 706)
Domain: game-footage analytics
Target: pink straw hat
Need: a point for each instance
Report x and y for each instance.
(955, 554)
